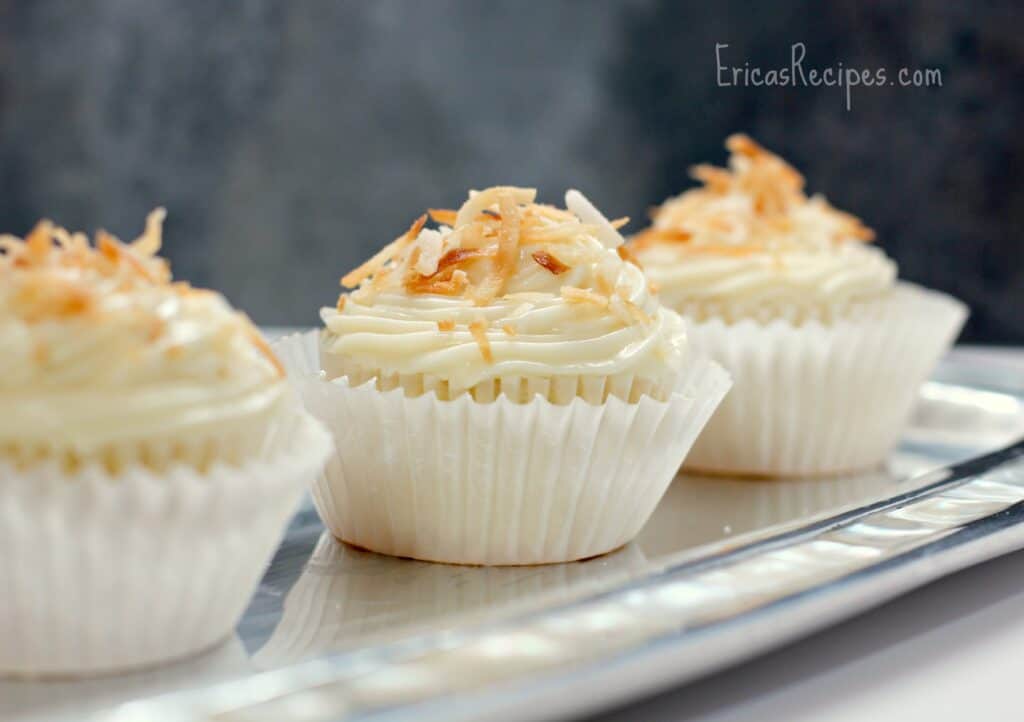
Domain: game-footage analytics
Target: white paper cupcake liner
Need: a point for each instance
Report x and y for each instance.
(495, 483)
(107, 573)
(520, 389)
(816, 399)
(347, 597)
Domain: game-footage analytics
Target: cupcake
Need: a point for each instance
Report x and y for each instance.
(826, 347)
(502, 389)
(150, 456)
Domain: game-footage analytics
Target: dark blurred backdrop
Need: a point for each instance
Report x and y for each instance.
(290, 139)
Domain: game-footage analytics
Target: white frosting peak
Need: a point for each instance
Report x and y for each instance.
(97, 346)
(750, 240)
(512, 288)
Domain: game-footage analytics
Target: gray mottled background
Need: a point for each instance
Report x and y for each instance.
(290, 139)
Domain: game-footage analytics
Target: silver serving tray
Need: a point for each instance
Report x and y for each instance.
(724, 570)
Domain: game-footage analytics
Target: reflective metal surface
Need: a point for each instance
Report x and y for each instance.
(335, 632)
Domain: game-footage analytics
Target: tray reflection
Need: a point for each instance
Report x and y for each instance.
(346, 598)
(75, 699)
(319, 596)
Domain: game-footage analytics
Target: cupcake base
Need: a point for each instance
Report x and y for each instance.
(495, 483)
(756, 475)
(104, 573)
(595, 555)
(821, 399)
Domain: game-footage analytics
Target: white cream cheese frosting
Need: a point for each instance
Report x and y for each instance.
(504, 288)
(99, 348)
(751, 243)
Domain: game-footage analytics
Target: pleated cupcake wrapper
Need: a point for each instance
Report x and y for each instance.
(347, 597)
(766, 311)
(501, 482)
(816, 399)
(520, 389)
(103, 574)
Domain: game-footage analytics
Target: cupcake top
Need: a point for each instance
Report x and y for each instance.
(504, 287)
(97, 345)
(750, 242)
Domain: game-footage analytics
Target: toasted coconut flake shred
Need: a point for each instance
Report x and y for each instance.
(461, 279)
(557, 233)
(445, 216)
(257, 340)
(717, 180)
(508, 246)
(427, 253)
(107, 246)
(508, 234)
(635, 311)
(572, 294)
(659, 235)
(458, 256)
(414, 257)
(380, 279)
(479, 330)
(149, 243)
(586, 212)
(491, 227)
(38, 243)
(744, 145)
(549, 262)
(116, 252)
(48, 248)
(354, 278)
(479, 200)
(628, 256)
(605, 286)
(775, 189)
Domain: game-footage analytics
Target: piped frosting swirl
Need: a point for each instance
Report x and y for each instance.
(504, 287)
(750, 242)
(99, 347)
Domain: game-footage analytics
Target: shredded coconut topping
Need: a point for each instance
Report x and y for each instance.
(548, 261)
(758, 204)
(750, 243)
(504, 285)
(482, 240)
(476, 250)
(53, 275)
(47, 270)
